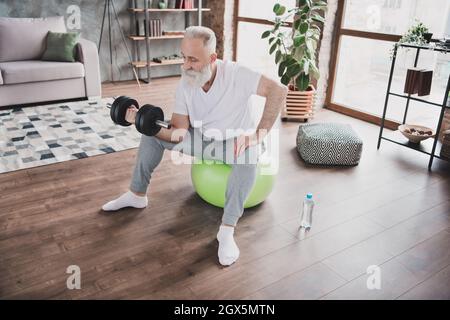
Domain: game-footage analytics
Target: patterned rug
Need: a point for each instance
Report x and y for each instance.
(36, 136)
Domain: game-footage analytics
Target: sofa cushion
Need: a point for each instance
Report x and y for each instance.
(61, 46)
(36, 70)
(24, 38)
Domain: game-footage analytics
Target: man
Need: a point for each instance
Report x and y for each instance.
(213, 103)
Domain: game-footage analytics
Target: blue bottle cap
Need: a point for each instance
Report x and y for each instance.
(309, 196)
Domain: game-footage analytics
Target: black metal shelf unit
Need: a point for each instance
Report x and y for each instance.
(430, 148)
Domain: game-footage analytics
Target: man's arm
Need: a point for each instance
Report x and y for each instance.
(275, 94)
(179, 126)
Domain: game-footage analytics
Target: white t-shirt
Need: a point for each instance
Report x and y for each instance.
(226, 106)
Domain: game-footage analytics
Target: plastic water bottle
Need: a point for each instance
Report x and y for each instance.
(308, 206)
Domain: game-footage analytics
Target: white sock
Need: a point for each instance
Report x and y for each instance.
(228, 250)
(128, 199)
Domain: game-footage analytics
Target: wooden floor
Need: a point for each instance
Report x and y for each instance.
(387, 211)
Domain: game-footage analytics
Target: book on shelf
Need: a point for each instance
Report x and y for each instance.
(140, 4)
(185, 4)
(155, 28)
(140, 28)
(418, 80)
(424, 85)
(411, 82)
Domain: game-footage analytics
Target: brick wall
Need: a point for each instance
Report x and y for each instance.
(228, 30)
(445, 123)
(325, 52)
(221, 21)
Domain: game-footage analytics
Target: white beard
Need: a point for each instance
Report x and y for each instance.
(197, 78)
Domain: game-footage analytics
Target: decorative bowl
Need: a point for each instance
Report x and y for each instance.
(416, 133)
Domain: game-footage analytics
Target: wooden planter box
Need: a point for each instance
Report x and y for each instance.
(299, 105)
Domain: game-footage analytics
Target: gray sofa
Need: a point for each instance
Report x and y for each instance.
(24, 78)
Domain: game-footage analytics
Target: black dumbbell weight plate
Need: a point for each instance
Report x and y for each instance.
(114, 111)
(146, 119)
(119, 109)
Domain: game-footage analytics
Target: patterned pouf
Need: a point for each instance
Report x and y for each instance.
(329, 144)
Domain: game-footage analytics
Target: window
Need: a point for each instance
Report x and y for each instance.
(261, 9)
(362, 58)
(395, 16)
(254, 51)
(253, 18)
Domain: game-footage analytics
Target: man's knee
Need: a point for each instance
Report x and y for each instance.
(154, 143)
(244, 174)
(245, 167)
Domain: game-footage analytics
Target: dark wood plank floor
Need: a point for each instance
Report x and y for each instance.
(388, 211)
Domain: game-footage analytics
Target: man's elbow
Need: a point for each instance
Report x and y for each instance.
(278, 90)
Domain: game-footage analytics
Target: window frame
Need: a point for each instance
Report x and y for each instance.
(338, 32)
(238, 18)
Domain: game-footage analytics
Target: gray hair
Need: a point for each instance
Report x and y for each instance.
(208, 36)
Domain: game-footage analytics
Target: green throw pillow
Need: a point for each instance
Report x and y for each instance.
(60, 46)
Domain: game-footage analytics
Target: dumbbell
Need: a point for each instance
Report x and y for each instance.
(149, 119)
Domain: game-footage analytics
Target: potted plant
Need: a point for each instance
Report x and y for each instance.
(296, 52)
(417, 34)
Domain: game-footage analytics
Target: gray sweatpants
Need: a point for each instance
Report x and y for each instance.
(240, 182)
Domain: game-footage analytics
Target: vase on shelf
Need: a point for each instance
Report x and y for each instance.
(427, 36)
(162, 4)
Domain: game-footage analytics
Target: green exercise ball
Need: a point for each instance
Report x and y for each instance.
(210, 182)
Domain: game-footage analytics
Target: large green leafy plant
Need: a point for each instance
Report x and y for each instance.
(296, 49)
